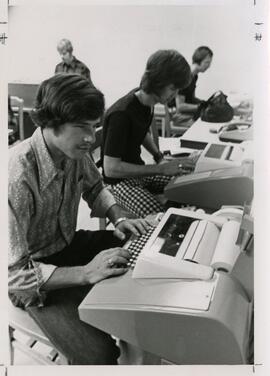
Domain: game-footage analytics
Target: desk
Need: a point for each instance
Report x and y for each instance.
(200, 131)
(223, 173)
(198, 136)
(207, 132)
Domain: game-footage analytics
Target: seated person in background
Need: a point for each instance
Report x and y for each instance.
(126, 129)
(51, 265)
(186, 103)
(244, 110)
(69, 62)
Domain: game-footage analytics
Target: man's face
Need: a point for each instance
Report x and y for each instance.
(66, 56)
(75, 139)
(167, 94)
(205, 63)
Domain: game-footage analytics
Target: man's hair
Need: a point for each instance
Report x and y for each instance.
(65, 44)
(163, 68)
(200, 54)
(66, 98)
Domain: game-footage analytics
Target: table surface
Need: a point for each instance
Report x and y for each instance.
(203, 131)
(199, 131)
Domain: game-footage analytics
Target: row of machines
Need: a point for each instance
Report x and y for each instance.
(188, 294)
(223, 175)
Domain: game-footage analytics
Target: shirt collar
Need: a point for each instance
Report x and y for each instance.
(46, 167)
(72, 64)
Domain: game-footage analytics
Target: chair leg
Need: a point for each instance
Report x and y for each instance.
(11, 347)
(62, 360)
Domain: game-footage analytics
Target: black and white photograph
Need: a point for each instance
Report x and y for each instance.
(121, 117)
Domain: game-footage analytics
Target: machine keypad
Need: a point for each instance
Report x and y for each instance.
(137, 245)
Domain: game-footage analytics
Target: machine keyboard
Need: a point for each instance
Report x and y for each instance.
(135, 246)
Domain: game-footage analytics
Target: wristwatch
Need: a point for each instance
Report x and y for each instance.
(119, 220)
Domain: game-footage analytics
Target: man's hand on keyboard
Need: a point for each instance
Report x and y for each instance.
(108, 263)
(189, 163)
(133, 226)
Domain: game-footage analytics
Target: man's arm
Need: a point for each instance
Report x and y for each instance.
(102, 203)
(152, 148)
(182, 106)
(106, 264)
(64, 277)
(115, 145)
(117, 141)
(30, 279)
(116, 168)
(25, 275)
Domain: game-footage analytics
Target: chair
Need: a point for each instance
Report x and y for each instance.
(172, 130)
(17, 105)
(159, 121)
(20, 322)
(96, 153)
(162, 120)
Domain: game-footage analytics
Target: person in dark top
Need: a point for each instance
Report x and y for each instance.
(186, 103)
(126, 129)
(69, 62)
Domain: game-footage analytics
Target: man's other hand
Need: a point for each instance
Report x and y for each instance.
(134, 226)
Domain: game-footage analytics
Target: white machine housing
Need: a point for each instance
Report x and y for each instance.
(236, 131)
(214, 188)
(183, 321)
(185, 243)
(223, 155)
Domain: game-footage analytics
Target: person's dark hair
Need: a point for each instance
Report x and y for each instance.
(66, 98)
(200, 54)
(163, 68)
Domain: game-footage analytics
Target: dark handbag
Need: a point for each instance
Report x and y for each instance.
(216, 109)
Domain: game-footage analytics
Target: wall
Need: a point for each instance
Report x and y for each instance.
(115, 42)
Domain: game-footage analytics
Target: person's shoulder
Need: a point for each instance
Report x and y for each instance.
(21, 161)
(117, 115)
(58, 66)
(20, 151)
(123, 103)
(81, 64)
(119, 119)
